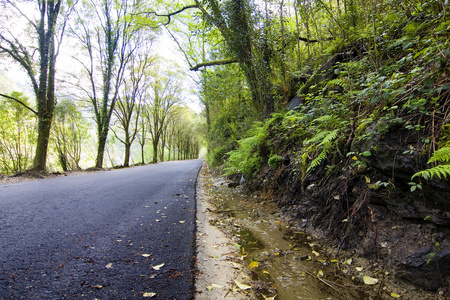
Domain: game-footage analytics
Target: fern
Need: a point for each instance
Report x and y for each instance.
(341, 82)
(441, 155)
(326, 143)
(331, 136)
(318, 160)
(441, 171)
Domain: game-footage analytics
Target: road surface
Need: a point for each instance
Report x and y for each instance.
(127, 233)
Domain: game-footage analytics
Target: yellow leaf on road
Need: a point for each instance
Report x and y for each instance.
(146, 255)
(370, 280)
(149, 295)
(157, 267)
(242, 286)
(108, 266)
(253, 264)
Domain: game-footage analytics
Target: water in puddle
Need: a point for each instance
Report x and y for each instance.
(287, 264)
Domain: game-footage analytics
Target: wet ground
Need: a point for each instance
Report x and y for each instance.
(284, 263)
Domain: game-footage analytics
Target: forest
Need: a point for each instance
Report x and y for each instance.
(337, 111)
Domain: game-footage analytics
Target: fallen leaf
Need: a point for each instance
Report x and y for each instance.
(157, 267)
(119, 241)
(269, 298)
(216, 285)
(108, 266)
(149, 295)
(98, 286)
(316, 253)
(370, 280)
(359, 269)
(265, 272)
(158, 220)
(253, 264)
(242, 286)
(182, 222)
(394, 295)
(320, 273)
(349, 261)
(209, 288)
(146, 255)
(276, 253)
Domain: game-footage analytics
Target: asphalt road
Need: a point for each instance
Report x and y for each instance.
(101, 235)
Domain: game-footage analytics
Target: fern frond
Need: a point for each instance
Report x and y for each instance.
(341, 82)
(441, 155)
(318, 160)
(439, 171)
(323, 119)
(318, 137)
(329, 138)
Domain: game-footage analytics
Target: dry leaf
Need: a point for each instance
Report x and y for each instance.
(182, 222)
(370, 280)
(316, 253)
(359, 269)
(253, 264)
(242, 286)
(149, 295)
(394, 295)
(265, 272)
(98, 286)
(157, 267)
(146, 255)
(216, 286)
(108, 266)
(320, 273)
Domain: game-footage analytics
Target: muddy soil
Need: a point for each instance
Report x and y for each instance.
(262, 249)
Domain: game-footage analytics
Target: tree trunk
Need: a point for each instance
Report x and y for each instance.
(101, 150)
(142, 154)
(44, 126)
(126, 161)
(155, 151)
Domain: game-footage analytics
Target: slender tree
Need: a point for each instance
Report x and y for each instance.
(105, 29)
(46, 37)
(128, 107)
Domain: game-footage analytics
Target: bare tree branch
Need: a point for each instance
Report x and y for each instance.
(214, 63)
(169, 15)
(20, 102)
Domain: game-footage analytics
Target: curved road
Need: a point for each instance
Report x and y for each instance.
(102, 235)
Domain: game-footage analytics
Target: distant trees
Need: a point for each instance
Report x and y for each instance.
(166, 93)
(128, 108)
(69, 132)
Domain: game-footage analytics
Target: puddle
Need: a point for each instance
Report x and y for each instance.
(286, 264)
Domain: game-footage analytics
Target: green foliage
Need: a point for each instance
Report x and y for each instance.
(17, 135)
(247, 158)
(441, 171)
(275, 161)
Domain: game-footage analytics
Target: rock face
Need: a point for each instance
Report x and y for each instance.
(369, 209)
